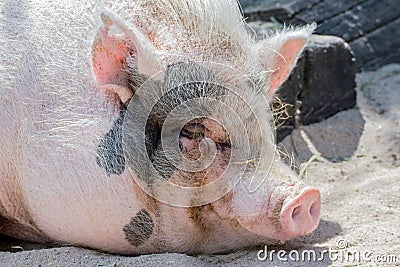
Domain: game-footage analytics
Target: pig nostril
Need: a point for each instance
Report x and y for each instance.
(295, 213)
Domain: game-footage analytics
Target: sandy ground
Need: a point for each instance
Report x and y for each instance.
(360, 223)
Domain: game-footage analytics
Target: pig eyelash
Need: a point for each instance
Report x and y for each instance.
(197, 132)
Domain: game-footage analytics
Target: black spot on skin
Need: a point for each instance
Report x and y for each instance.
(139, 229)
(153, 136)
(162, 164)
(182, 82)
(110, 154)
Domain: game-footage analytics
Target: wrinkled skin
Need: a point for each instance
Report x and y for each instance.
(70, 174)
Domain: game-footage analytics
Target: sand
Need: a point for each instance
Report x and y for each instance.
(357, 170)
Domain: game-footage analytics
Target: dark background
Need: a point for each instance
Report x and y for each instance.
(371, 27)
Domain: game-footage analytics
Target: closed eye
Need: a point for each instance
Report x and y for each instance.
(193, 130)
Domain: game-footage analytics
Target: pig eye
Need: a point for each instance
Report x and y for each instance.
(193, 130)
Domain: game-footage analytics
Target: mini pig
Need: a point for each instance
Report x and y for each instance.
(143, 127)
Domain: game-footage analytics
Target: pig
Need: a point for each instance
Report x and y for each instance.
(143, 126)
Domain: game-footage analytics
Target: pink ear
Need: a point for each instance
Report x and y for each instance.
(109, 55)
(284, 62)
(279, 53)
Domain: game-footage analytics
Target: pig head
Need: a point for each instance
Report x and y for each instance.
(197, 137)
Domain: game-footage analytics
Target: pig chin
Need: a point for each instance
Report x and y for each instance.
(288, 211)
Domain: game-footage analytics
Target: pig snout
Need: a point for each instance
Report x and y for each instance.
(280, 215)
(300, 216)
